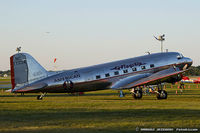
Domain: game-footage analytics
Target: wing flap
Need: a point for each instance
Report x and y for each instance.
(123, 82)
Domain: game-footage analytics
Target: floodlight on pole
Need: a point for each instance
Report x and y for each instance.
(18, 49)
(148, 52)
(161, 39)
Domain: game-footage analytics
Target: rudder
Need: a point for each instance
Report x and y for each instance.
(25, 70)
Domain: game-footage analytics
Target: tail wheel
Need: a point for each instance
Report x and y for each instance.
(39, 97)
(137, 94)
(162, 94)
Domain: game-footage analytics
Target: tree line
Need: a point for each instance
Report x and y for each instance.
(2, 73)
(193, 71)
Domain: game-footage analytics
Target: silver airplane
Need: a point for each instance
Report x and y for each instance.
(28, 76)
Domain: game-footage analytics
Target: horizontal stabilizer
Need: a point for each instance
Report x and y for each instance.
(31, 87)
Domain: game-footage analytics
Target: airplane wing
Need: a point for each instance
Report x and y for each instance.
(151, 79)
(124, 82)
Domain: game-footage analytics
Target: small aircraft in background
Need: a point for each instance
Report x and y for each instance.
(28, 76)
(188, 80)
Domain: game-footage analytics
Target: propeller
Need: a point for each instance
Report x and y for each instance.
(185, 67)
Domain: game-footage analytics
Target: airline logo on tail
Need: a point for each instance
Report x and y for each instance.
(25, 70)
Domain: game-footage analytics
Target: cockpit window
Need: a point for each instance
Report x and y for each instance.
(180, 56)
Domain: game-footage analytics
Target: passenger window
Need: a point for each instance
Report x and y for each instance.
(107, 75)
(152, 65)
(143, 67)
(134, 69)
(98, 77)
(125, 71)
(116, 73)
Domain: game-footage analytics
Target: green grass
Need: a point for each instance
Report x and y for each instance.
(4, 79)
(100, 111)
(4, 83)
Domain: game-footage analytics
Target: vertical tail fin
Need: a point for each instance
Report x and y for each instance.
(25, 69)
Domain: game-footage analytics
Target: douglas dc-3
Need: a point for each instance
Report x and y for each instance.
(28, 76)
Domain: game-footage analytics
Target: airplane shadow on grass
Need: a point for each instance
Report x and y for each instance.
(59, 95)
(90, 94)
(82, 119)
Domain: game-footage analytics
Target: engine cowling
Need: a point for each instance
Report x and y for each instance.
(68, 85)
(174, 79)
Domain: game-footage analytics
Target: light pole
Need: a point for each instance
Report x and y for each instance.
(161, 39)
(18, 49)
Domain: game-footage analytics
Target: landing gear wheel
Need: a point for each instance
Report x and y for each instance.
(137, 94)
(162, 94)
(39, 97)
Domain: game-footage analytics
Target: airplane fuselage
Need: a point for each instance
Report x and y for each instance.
(105, 76)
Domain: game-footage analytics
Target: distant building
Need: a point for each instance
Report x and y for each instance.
(5, 75)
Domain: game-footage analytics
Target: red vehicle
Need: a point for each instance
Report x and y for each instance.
(197, 81)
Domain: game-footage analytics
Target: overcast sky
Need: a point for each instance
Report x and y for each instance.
(86, 32)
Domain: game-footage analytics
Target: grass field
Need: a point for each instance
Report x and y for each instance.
(100, 111)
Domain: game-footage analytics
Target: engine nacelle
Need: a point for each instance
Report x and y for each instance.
(68, 85)
(175, 79)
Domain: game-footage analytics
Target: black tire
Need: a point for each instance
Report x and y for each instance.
(165, 94)
(137, 94)
(162, 94)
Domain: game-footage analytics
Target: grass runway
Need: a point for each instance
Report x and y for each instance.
(100, 111)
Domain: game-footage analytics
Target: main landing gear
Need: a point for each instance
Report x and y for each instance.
(137, 93)
(161, 94)
(40, 97)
